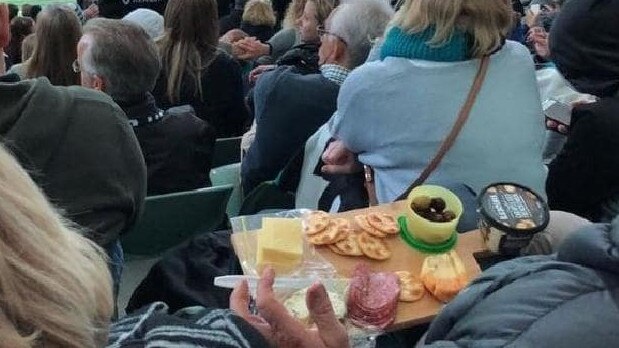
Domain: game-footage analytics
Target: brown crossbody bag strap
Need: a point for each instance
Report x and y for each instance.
(463, 116)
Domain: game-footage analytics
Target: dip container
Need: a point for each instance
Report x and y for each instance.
(511, 214)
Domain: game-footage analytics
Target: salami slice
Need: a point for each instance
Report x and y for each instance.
(372, 298)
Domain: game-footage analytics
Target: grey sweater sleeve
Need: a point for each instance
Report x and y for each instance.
(283, 41)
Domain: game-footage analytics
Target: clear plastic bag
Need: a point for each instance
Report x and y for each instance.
(313, 266)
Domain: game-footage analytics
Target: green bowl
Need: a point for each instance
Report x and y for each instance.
(408, 238)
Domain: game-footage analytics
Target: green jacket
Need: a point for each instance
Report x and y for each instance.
(80, 149)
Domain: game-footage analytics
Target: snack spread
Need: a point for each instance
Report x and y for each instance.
(280, 244)
(372, 298)
(511, 215)
(341, 238)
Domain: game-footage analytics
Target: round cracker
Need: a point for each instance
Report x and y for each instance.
(342, 223)
(362, 221)
(411, 287)
(385, 223)
(335, 249)
(316, 222)
(349, 246)
(373, 247)
(329, 235)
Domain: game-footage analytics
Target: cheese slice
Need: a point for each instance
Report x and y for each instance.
(280, 244)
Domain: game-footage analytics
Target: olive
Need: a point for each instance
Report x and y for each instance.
(438, 204)
(421, 203)
(449, 215)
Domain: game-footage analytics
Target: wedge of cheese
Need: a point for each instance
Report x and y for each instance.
(280, 245)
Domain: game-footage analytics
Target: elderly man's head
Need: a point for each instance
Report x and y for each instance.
(350, 31)
(118, 58)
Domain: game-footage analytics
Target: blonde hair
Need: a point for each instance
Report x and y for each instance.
(55, 287)
(324, 9)
(293, 13)
(258, 12)
(189, 44)
(486, 21)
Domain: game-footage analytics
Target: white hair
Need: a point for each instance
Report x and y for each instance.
(359, 23)
(149, 20)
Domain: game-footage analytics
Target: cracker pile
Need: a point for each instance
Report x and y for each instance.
(343, 239)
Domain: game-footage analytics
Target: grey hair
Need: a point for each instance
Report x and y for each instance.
(123, 55)
(359, 23)
(149, 20)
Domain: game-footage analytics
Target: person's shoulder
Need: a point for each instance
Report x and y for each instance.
(515, 55)
(184, 116)
(92, 106)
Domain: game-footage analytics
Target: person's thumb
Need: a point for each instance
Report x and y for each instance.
(331, 331)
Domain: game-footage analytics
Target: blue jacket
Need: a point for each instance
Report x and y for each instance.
(289, 108)
(566, 300)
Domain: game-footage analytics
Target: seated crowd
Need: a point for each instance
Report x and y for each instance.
(99, 112)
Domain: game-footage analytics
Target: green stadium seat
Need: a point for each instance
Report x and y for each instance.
(229, 175)
(227, 151)
(170, 219)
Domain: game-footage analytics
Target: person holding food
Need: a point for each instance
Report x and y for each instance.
(394, 114)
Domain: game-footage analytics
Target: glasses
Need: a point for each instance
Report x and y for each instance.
(76, 67)
(322, 32)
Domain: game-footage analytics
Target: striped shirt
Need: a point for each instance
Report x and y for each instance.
(152, 326)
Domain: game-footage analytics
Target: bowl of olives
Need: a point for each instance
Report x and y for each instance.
(433, 213)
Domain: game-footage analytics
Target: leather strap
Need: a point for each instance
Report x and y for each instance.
(448, 142)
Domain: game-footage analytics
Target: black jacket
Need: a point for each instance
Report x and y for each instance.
(80, 149)
(585, 175)
(222, 104)
(177, 146)
(289, 108)
(585, 49)
(261, 32)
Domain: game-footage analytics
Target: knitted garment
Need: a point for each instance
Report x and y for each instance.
(416, 46)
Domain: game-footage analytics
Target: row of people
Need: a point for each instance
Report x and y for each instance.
(193, 72)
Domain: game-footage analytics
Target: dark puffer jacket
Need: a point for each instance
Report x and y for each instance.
(566, 300)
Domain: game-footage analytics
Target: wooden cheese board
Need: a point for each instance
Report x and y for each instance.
(404, 258)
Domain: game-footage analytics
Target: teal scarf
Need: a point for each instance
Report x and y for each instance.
(415, 46)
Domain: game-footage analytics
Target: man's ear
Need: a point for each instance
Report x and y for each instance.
(340, 51)
(98, 83)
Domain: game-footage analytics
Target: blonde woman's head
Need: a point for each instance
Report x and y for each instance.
(55, 288)
(293, 13)
(486, 21)
(259, 12)
(314, 16)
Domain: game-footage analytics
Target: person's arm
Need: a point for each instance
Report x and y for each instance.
(263, 159)
(584, 174)
(281, 42)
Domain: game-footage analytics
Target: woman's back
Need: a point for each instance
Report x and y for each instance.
(221, 103)
(395, 113)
